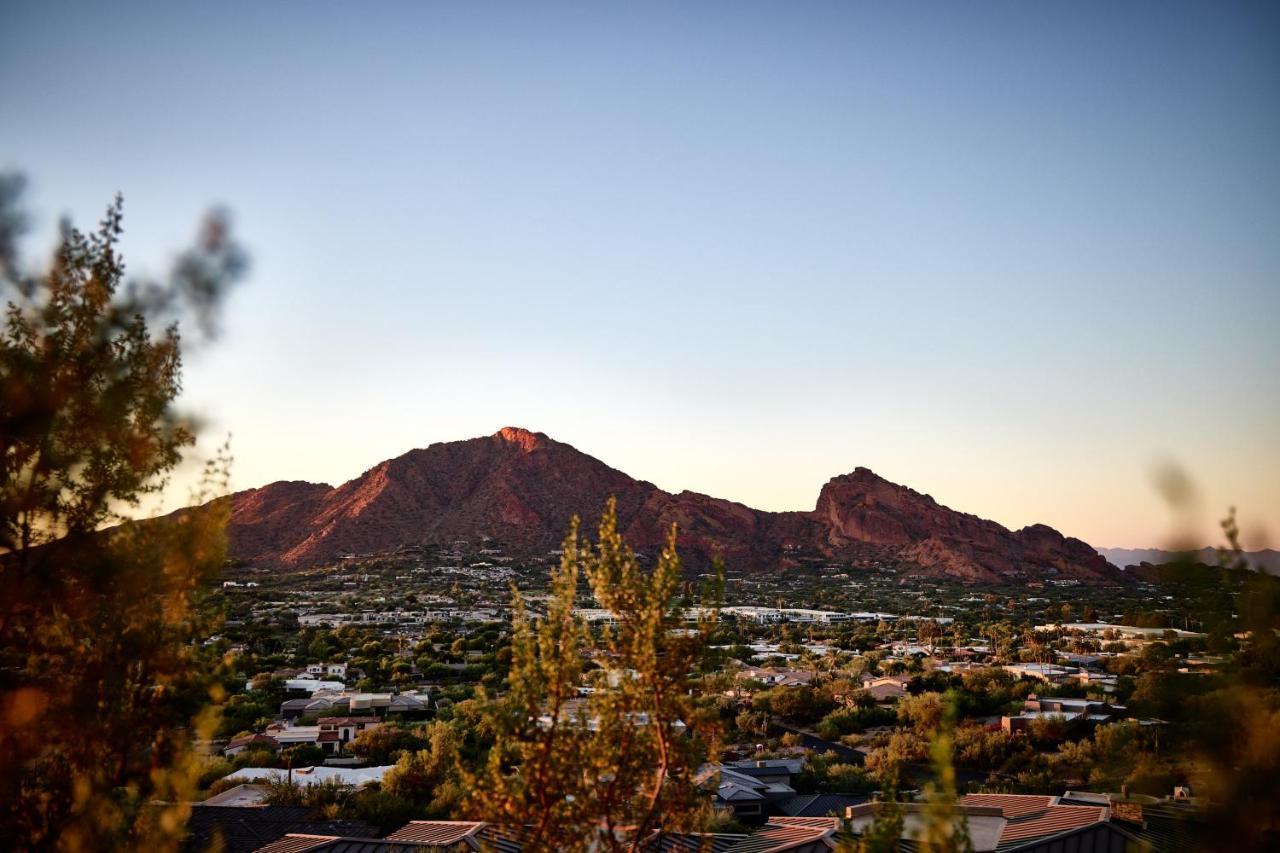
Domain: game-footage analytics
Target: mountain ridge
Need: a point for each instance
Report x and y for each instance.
(521, 487)
(1268, 559)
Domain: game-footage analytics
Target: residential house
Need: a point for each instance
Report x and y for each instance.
(343, 730)
(885, 689)
(1049, 672)
(1028, 823)
(1087, 710)
(330, 733)
(334, 703)
(355, 777)
(751, 789)
(332, 670)
(250, 742)
(408, 703)
(312, 685)
(774, 677)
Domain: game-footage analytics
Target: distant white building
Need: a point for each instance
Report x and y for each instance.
(311, 685)
(355, 777)
(335, 670)
(1043, 671)
(1122, 630)
(772, 615)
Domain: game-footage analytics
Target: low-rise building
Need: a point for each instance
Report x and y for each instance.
(1063, 708)
(333, 670)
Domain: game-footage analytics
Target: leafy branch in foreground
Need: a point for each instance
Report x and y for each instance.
(100, 688)
(598, 742)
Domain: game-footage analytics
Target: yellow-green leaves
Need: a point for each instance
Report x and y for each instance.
(599, 742)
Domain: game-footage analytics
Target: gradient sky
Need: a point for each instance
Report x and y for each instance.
(1015, 255)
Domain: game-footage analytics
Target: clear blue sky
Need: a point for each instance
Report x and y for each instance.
(1012, 254)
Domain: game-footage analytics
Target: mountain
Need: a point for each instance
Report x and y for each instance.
(1267, 559)
(521, 488)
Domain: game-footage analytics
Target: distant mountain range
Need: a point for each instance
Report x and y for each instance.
(521, 488)
(1268, 560)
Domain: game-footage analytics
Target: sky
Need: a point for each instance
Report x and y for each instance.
(1018, 256)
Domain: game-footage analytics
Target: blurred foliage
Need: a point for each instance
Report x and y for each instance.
(945, 827)
(1236, 729)
(102, 689)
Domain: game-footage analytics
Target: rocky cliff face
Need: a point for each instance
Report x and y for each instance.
(862, 508)
(521, 488)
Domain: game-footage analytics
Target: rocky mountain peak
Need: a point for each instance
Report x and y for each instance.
(521, 488)
(526, 440)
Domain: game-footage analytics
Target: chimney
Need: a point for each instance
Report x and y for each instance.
(1131, 812)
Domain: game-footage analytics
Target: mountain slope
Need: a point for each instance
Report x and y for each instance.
(521, 488)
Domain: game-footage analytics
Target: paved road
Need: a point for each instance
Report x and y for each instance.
(817, 744)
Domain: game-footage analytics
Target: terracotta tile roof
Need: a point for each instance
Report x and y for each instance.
(476, 835)
(823, 822)
(265, 740)
(1054, 820)
(1013, 806)
(1032, 816)
(880, 692)
(437, 831)
(297, 843)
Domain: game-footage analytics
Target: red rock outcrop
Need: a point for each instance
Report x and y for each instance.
(521, 488)
(864, 508)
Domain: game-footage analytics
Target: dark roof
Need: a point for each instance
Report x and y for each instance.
(819, 805)
(1100, 837)
(1165, 826)
(244, 829)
